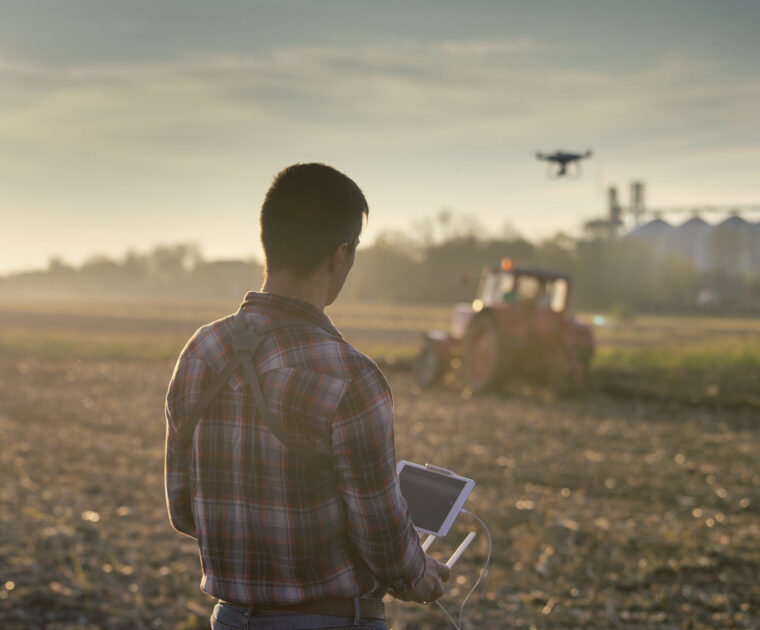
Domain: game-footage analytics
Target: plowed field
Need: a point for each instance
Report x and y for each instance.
(605, 511)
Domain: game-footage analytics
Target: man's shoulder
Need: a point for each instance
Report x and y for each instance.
(211, 343)
(320, 350)
(358, 364)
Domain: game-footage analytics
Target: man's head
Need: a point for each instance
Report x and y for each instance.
(309, 212)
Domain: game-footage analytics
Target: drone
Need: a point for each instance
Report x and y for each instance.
(563, 159)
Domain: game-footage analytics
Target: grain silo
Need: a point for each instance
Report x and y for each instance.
(657, 233)
(692, 241)
(734, 244)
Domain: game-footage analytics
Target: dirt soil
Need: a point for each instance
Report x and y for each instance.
(605, 511)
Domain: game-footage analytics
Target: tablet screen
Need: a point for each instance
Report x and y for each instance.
(429, 495)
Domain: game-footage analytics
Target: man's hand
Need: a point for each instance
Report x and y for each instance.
(430, 586)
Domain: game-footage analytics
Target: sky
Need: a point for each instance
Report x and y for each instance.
(141, 122)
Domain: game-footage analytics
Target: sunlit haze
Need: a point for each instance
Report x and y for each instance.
(129, 124)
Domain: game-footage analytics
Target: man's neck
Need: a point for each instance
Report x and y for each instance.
(312, 288)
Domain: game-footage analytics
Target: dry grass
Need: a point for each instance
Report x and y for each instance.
(158, 331)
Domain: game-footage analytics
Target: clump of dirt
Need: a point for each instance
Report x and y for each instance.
(604, 511)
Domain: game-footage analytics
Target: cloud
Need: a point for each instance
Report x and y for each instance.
(398, 95)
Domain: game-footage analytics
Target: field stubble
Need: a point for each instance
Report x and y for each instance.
(604, 513)
(638, 509)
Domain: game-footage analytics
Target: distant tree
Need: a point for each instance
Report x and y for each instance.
(172, 263)
(58, 266)
(509, 232)
(445, 226)
(387, 271)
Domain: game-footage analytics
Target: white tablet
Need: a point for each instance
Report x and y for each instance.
(434, 495)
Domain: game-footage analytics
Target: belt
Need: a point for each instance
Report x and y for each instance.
(332, 606)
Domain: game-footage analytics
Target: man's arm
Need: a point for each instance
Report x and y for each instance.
(378, 520)
(185, 387)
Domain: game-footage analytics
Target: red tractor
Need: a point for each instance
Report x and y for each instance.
(517, 328)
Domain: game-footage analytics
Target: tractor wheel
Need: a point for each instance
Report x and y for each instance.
(571, 377)
(482, 354)
(428, 365)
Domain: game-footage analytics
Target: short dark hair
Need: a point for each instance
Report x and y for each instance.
(308, 211)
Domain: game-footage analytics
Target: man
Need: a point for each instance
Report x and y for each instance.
(308, 529)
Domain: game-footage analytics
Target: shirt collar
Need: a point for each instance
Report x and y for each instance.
(282, 306)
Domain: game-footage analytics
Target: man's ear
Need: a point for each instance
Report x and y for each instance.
(338, 257)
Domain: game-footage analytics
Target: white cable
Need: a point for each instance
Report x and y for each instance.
(446, 612)
(482, 573)
(429, 541)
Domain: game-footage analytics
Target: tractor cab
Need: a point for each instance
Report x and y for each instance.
(523, 297)
(527, 287)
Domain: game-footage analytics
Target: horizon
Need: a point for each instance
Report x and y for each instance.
(125, 127)
(752, 217)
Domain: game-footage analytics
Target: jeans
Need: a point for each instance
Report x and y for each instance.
(230, 617)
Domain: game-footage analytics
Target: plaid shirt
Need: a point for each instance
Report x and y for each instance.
(271, 527)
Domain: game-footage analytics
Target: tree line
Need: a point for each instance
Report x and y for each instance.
(167, 272)
(440, 261)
